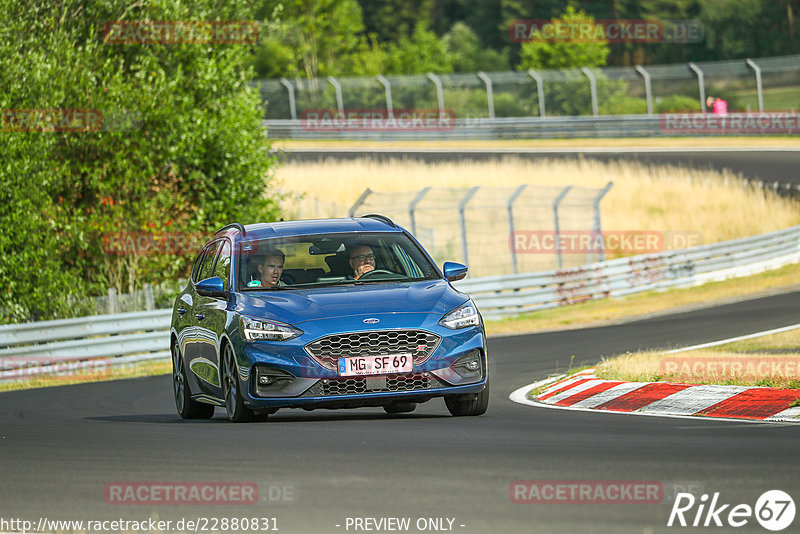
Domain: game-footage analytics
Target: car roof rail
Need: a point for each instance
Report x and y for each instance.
(238, 226)
(380, 217)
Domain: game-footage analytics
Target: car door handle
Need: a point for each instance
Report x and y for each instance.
(199, 316)
(181, 311)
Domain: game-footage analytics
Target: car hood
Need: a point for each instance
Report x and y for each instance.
(295, 306)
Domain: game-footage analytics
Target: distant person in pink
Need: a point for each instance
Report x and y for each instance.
(720, 107)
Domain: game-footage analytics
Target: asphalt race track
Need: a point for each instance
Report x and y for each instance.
(60, 447)
(768, 165)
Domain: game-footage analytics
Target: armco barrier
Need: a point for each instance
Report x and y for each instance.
(502, 296)
(42, 347)
(132, 337)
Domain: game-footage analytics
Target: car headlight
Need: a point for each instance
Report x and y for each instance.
(461, 317)
(262, 330)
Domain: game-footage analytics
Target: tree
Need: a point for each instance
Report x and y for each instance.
(420, 53)
(467, 53)
(563, 52)
(311, 38)
(179, 145)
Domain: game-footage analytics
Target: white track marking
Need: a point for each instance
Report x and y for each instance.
(733, 339)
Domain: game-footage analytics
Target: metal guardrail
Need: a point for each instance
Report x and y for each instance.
(133, 337)
(525, 128)
(503, 296)
(497, 128)
(51, 347)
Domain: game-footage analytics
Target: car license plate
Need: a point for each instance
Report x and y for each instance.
(376, 365)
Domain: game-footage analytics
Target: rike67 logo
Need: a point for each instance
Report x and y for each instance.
(774, 510)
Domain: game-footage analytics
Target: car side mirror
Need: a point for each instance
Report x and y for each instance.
(211, 287)
(454, 271)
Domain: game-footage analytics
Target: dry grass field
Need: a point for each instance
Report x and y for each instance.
(643, 197)
(706, 204)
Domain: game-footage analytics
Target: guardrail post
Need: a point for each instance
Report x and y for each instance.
(462, 220)
(387, 87)
(539, 90)
(700, 82)
(338, 88)
(511, 237)
(290, 88)
(556, 226)
(647, 88)
(412, 208)
(489, 94)
(596, 226)
(112, 300)
(439, 92)
(757, 70)
(358, 203)
(593, 87)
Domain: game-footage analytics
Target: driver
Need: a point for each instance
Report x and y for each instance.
(362, 260)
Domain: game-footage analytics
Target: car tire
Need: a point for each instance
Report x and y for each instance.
(234, 403)
(400, 407)
(187, 407)
(474, 404)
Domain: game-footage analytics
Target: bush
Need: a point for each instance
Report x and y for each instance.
(676, 104)
(181, 148)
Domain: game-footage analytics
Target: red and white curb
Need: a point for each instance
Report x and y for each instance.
(585, 391)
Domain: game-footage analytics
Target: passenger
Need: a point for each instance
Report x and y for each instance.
(362, 260)
(270, 269)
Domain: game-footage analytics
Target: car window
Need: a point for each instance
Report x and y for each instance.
(223, 266)
(198, 263)
(326, 259)
(207, 268)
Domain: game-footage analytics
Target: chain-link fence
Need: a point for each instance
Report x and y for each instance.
(478, 225)
(765, 84)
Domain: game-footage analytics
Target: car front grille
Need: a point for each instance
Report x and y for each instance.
(327, 350)
(373, 384)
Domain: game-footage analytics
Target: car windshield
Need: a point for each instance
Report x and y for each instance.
(331, 259)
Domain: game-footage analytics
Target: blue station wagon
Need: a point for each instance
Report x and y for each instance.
(336, 313)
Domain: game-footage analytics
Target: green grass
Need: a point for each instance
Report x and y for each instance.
(771, 360)
(775, 99)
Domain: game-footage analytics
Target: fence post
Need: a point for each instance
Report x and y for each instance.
(757, 70)
(360, 201)
(149, 301)
(539, 90)
(112, 300)
(557, 229)
(489, 94)
(593, 87)
(289, 87)
(439, 92)
(462, 219)
(597, 227)
(700, 82)
(338, 88)
(387, 87)
(510, 210)
(412, 207)
(647, 88)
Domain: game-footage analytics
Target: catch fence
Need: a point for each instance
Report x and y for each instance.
(477, 225)
(761, 84)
